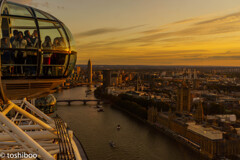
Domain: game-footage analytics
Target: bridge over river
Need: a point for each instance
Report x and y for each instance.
(79, 100)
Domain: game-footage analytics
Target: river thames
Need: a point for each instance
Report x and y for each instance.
(134, 141)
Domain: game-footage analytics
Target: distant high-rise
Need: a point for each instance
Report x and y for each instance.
(138, 82)
(114, 78)
(195, 74)
(189, 74)
(106, 78)
(120, 79)
(89, 71)
(184, 99)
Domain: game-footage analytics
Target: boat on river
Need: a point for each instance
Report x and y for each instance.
(99, 106)
(112, 144)
(100, 110)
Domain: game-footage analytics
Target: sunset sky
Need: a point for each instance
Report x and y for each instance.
(151, 32)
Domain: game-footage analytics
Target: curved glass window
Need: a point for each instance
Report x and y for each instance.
(18, 37)
(17, 23)
(72, 63)
(49, 16)
(16, 10)
(55, 49)
(44, 15)
(34, 44)
(56, 34)
(40, 15)
(71, 39)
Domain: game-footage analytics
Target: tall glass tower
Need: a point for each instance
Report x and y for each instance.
(89, 71)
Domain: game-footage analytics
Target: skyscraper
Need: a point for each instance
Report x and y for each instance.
(89, 71)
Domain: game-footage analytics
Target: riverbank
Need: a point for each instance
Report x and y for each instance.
(130, 113)
(180, 140)
(135, 139)
(124, 104)
(165, 131)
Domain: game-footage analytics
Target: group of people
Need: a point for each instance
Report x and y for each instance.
(27, 40)
(20, 40)
(53, 58)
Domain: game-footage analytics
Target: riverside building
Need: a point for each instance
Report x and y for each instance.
(214, 138)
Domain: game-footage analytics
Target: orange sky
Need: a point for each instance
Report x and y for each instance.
(151, 32)
(207, 40)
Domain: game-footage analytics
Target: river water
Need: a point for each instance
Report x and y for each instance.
(134, 141)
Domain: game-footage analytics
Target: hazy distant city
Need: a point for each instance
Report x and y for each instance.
(197, 106)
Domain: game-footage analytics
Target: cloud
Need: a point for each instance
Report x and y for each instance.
(224, 57)
(219, 25)
(153, 31)
(161, 57)
(221, 19)
(99, 31)
(177, 52)
(195, 41)
(186, 21)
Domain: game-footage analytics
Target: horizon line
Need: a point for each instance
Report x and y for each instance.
(156, 65)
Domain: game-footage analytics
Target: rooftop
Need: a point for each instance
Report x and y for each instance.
(208, 132)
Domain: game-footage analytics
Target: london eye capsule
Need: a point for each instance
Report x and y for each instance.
(37, 52)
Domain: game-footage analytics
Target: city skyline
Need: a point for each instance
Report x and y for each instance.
(151, 32)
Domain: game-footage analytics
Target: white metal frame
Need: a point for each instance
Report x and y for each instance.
(29, 131)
